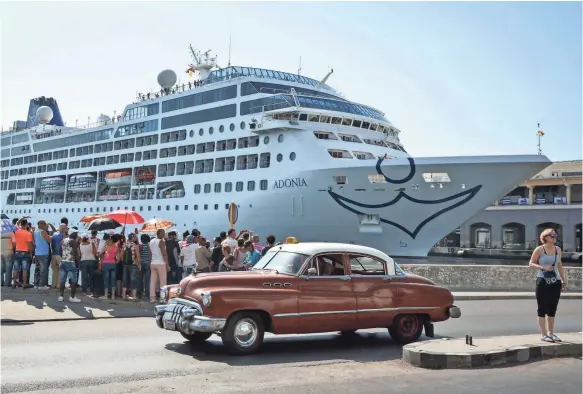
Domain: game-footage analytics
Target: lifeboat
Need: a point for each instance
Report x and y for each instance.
(52, 185)
(81, 183)
(118, 178)
(145, 175)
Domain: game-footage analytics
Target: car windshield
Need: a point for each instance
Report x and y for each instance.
(282, 262)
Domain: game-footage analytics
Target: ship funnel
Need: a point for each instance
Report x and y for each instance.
(34, 119)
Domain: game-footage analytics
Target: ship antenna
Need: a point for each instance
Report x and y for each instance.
(539, 135)
(229, 62)
(300, 67)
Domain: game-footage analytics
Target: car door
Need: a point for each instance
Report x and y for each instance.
(326, 300)
(376, 296)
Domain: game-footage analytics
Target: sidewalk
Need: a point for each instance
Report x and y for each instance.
(455, 353)
(30, 305)
(506, 295)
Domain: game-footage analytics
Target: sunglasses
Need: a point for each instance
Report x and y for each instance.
(552, 235)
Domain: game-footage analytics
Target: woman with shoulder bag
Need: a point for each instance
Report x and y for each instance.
(550, 281)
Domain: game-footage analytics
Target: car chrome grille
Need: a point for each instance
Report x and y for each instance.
(173, 312)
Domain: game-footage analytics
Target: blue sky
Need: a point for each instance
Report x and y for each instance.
(456, 78)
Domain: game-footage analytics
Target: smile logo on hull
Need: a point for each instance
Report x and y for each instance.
(355, 206)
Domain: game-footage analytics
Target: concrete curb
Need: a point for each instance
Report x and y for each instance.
(510, 297)
(415, 355)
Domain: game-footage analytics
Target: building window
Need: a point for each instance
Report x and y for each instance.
(239, 186)
(266, 140)
(250, 186)
(292, 156)
(221, 128)
(196, 189)
(279, 157)
(263, 184)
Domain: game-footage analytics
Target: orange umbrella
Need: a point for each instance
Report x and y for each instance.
(90, 218)
(124, 216)
(153, 225)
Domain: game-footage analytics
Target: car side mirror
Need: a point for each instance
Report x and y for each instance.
(312, 272)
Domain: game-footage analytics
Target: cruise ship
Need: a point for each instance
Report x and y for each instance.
(293, 154)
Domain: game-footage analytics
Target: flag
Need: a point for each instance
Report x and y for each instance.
(540, 133)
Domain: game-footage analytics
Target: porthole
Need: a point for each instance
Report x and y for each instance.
(216, 206)
(195, 207)
(191, 133)
(206, 206)
(279, 157)
(201, 132)
(221, 128)
(266, 140)
(211, 130)
(292, 156)
(167, 207)
(232, 126)
(280, 138)
(242, 126)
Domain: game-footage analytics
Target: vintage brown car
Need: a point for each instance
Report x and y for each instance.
(305, 288)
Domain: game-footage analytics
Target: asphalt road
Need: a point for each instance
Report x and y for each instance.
(134, 356)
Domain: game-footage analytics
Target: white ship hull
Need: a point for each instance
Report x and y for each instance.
(311, 211)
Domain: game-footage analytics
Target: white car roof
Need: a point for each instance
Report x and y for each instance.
(324, 247)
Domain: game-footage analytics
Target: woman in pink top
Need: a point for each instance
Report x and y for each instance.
(109, 260)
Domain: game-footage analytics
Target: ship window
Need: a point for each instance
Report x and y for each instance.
(149, 207)
(190, 149)
(217, 187)
(196, 189)
(206, 206)
(377, 178)
(264, 160)
(228, 187)
(141, 207)
(167, 207)
(207, 188)
(314, 118)
(346, 122)
(221, 128)
(263, 184)
(232, 126)
(356, 123)
(280, 138)
(211, 130)
(279, 157)
(336, 120)
(231, 144)
(159, 208)
(339, 179)
(216, 206)
(195, 207)
(339, 154)
(239, 186)
(436, 177)
(266, 140)
(207, 115)
(191, 133)
(303, 117)
(138, 156)
(292, 156)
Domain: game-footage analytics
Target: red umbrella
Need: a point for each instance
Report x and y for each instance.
(124, 216)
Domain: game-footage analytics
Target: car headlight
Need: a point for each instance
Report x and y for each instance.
(163, 292)
(207, 299)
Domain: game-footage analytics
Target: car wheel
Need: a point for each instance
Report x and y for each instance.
(406, 328)
(243, 333)
(197, 337)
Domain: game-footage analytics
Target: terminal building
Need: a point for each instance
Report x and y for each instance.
(551, 199)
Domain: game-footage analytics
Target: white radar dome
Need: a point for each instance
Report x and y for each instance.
(167, 78)
(44, 114)
(102, 118)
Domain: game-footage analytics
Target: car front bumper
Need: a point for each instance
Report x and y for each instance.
(186, 316)
(454, 312)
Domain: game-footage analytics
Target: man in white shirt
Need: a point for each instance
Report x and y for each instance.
(188, 256)
(231, 240)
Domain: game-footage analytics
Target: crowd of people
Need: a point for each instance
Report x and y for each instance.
(115, 265)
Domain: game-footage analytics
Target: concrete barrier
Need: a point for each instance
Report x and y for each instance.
(488, 277)
(501, 254)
